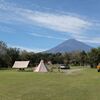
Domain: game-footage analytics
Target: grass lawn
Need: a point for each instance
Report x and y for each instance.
(82, 85)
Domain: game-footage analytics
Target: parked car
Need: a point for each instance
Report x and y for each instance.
(64, 66)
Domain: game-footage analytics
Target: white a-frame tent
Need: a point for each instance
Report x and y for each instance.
(20, 64)
(41, 67)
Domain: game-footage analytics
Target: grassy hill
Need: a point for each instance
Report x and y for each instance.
(81, 85)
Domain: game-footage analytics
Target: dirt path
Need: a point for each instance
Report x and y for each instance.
(70, 71)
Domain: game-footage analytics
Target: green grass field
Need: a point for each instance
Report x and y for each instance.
(81, 85)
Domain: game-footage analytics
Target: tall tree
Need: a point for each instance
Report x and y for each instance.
(13, 54)
(83, 58)
(94, 57)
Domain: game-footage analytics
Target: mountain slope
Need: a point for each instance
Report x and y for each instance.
(70, 46)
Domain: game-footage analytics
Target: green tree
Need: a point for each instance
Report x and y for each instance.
(83, 58)
(13, 54)
(94, 57)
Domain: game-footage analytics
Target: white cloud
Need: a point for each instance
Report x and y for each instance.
(36, 50)
(87, 38)
(47, 36)
(55, 21)
(6, 29)
(59, 22)
(64, 23)
(92, 40)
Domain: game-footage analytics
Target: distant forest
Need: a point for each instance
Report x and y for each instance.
(9, 55)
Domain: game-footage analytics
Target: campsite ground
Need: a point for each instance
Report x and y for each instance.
(83, 84)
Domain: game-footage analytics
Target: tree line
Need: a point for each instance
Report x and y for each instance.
(9, 55)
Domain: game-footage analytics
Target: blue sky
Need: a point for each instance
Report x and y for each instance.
(38, 25)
